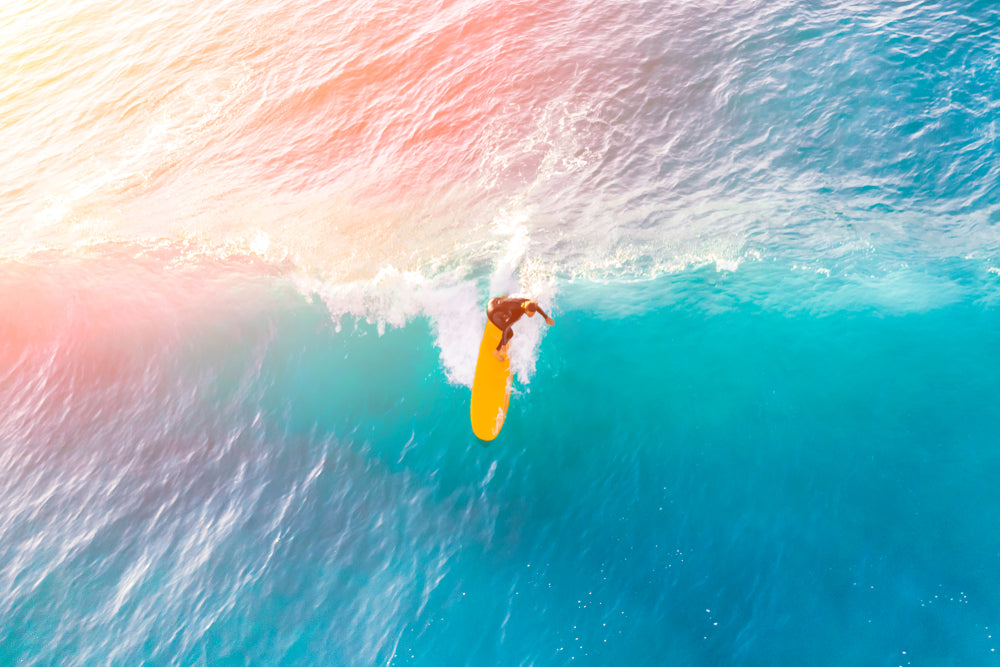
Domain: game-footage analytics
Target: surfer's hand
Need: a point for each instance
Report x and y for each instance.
(548, 320)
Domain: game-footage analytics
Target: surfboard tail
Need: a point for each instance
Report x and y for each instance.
(490, 389)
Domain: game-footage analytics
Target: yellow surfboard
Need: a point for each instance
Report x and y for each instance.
(491, 388)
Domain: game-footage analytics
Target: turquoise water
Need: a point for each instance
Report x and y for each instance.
(679, 483)
(244, 256)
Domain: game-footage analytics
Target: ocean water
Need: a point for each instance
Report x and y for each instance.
(245, 251)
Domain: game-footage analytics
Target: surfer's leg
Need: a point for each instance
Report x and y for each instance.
(508, 333)
(501, 351)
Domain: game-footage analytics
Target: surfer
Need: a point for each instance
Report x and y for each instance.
(503, 311)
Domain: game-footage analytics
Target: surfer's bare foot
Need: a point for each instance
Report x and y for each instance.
(501, 356)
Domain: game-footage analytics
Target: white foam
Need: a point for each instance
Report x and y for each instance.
(510, 222)
(394, 297)
(454, 303)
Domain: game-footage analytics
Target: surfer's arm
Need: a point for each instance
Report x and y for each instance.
(538, 309)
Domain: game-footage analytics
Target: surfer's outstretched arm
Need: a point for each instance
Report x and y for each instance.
(535, 308)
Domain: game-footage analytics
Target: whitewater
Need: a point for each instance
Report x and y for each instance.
(245, 253)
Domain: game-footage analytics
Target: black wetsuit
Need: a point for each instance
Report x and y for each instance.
(504, 311)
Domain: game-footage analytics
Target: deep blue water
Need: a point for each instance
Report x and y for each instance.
(245, 252)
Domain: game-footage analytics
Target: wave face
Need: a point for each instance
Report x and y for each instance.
(245, 250)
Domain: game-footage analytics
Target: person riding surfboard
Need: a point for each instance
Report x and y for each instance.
(503, 311)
